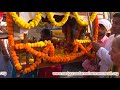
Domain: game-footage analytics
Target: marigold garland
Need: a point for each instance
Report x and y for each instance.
(75, 49)
(80, 21)
(68, 57)
(50, 16)
(47, 53)
(21, 46)
(33, 66)
(96, 29)
(83, 41)
(23, 24)
(11, 42)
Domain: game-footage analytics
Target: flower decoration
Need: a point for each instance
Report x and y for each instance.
(50, 16)
(80, 21)
(23, 24)
(48, 53)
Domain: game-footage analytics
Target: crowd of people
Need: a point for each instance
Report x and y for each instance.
(107, 50)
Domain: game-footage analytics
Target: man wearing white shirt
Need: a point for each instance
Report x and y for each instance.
(103, 53)
(104, 27)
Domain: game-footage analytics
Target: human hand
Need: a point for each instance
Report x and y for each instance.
(88, 66)
(96, 46)
(88, 35)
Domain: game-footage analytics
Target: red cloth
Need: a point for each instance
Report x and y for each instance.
(1, 14)
(47, 72)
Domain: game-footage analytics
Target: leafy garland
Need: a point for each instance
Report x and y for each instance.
(23, 24)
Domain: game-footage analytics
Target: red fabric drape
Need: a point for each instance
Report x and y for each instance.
(1, 14)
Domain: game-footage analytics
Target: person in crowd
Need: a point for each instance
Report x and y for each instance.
(103, 53)
(74, 66)
(47, 71)
(115, 56)
(104, 27)
(6, 64)
(32, 74)
(46, 34)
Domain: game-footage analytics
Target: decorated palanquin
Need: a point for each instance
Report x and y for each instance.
(40, 54)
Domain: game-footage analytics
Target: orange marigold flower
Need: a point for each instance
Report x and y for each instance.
(16, 61)
(34, 65)
(31, 50)
(10, 25)
(25, 71)
(19, 67)
(35, 52)
(37, 63)
(16, 46)
(32, 68)
(43, 54)
(9, 20)
(39, 54)
(10, 33)
(67, 59)
(28, 69)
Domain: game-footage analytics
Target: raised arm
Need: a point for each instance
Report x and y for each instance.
(102, 53)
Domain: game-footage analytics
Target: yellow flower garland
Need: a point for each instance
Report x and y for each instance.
(23, 24)
(80, 21)
(76, 40)
(41, 55)
(52, 20)
(42, 44)
(37, 44)
(83, 41)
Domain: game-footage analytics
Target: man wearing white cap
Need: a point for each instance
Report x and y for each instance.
(104, 27)
(103, 39)
(103, 53)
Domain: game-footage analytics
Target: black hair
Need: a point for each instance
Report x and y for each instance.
(116, 15)
(47, 32)
(101, 25)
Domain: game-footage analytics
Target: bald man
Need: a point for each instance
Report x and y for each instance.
(115, 54)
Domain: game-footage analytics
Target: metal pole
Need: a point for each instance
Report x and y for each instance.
(110, 17)
(90, 26)
(104, 15)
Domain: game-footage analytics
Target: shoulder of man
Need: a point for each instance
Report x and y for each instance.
(109, 42)
(112, 36)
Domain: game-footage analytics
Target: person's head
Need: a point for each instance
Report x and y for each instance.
(46, 34)
(116, 24)
(115, 51)
(104, 27)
